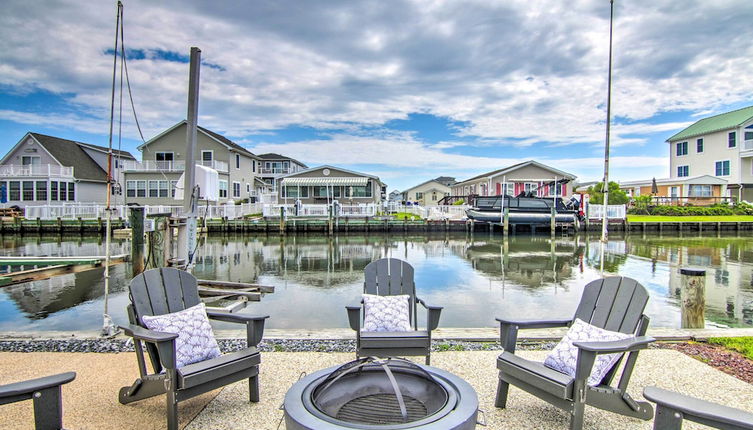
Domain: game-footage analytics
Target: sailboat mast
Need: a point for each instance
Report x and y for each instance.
(604, 221)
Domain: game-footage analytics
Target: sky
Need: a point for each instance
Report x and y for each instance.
(406, 90)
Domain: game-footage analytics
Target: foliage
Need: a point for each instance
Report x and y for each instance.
(743, 345)
(690, 218)
(407, 216)
(642, 203)
(616, 195)
(459, 202)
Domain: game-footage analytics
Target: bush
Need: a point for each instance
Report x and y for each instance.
(459, 202)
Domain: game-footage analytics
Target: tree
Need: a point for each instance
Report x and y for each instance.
(642, 203)
(616, 195)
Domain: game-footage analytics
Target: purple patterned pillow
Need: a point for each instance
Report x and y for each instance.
(195, 340)
(386, 313)
(565, 355)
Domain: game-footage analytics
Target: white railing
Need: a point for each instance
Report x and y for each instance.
(442, 212)
(748, 145)
(354, 211)
(273, 210)
(596, 211)
(219, 166)
(153, 166)
(314, 210)
(11, 170)
(72, 212)
(94, 211)
(276, 171)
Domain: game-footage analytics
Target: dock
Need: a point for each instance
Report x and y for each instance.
(47, 267)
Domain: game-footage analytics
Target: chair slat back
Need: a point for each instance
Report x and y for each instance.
(391, 277)
(161, 291)
(614, 303)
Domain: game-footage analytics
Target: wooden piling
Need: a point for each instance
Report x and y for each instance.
(692, 297)
(136, 219)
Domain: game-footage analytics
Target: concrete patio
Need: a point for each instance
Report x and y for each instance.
(90, 402)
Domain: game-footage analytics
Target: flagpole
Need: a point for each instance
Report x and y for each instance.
(605, 187)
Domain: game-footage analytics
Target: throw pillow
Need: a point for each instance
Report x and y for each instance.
(195, 340)
(565, 355)
(386, 313)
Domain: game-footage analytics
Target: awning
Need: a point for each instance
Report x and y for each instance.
(304, 182)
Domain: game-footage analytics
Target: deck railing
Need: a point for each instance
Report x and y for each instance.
(596, 211)
(94, 211)
(169, 166)
(47, 170)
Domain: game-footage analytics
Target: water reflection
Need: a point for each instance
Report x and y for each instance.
(474, 278)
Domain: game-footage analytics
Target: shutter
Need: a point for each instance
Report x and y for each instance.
(564, 190)
(499, 188)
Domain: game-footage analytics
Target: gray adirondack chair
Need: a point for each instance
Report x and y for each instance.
(389, 277)
(167, 290)
(614, 303)
(672, 408)
(46, 393)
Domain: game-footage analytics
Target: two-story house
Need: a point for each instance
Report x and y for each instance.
(48, 170)
(153, 180)
(720, 146)
(274, 166)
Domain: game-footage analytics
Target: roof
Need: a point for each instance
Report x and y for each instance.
(515, 167)
(327, 166)
(69, 153)
(724, 121)
(116, 152)
(437, 180)
(331, 181)
(227, 141)
(273, 156)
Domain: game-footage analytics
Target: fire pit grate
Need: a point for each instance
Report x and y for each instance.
(381, 409)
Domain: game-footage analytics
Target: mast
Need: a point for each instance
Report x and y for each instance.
(190, 194)
(609, 115)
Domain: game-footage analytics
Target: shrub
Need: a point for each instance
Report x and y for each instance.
(616, 195)
(459, 202)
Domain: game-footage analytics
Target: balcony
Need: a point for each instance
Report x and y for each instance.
(169, 166)
(264, 171)
(42, 170)
(747, 148)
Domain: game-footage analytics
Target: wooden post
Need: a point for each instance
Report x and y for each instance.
(552, 222)
(136, 219)
(282, 219)
(506, 221)
(692, 297)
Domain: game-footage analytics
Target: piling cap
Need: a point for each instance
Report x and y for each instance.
(693, 271)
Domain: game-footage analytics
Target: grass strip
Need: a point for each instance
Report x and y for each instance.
(743, 345)
(714, 218)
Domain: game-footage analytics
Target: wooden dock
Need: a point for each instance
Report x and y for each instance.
(47, 267)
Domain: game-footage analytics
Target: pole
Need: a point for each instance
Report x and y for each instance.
(609, 114)
(136, 219)
(190, 196)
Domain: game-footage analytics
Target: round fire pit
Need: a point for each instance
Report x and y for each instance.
(372, 393)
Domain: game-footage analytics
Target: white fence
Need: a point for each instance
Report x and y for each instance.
(596, 211)
(438, 212)
(13, 170)
(321, 210)
(94, 211)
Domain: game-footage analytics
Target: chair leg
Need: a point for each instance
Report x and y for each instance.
(172, 411)
(502, 389)
(48, 409)
(576, 419)
(667, 419)
(253, 388)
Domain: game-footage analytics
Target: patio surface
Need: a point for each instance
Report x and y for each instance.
(90, 402)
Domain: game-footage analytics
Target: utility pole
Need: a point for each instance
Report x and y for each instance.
(605, 219)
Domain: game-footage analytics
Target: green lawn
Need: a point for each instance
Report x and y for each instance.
(407, 215)
(659, 218)
(743, 345)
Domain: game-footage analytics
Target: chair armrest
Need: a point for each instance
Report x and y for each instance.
(147, 335)
(254, 324)
(611, 347)
(433, 314)
(531, 324)
(699, 410)
(354, 317)
(27, 387)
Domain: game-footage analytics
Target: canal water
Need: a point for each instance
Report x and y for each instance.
(475, 278)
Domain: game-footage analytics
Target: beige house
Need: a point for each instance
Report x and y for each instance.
(48, 170)
(529, 176)
(720, 146)
(695, 190)
(153, 180)
(323, 184)
(274, 166)
(429, 192)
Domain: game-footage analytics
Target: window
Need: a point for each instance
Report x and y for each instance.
(248, 188)
(41, 190)
(253, 166)
(321, 191)
(206, 159)
(722, 168)
(699, 145)
(130, 189)
(292, 192)
(63, 189)
(699, 191)
(30, 160)
(434, 196)
(173, 186)
(732, 139)
(164, 188)
(550, 189)
(223, 189)
(748, 134)
(71, 191)
(140, 188)
(237, 161)
(14, 190)
(529, 186)
(163, 156)
(153, 188)
(54, 190)
(682, 171)
(28, 187)
(682, 148)
(236, 189)
(419, 196)
(362, 191)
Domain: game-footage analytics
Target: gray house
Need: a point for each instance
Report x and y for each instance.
(153, 180)
(326, 183)
(43, 169)
(274, 166)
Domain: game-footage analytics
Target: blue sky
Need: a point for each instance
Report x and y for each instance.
(408, 90)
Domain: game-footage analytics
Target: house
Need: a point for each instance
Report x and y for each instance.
(41, 170)
(694, 190)
(720, 146)
(529, 176)
(152, 181)
(395, 196)
(274, 166)
(326, 183)
(429, 192)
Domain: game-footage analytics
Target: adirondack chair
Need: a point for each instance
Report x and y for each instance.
(167, 290)
(47, 397)
(614, 303)
(672, 408)
(390, 277)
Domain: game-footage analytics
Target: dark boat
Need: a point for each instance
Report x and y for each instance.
(524, 209)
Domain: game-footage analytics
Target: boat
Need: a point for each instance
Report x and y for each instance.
(524, 209)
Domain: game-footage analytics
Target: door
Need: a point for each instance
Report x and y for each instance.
(674, 193)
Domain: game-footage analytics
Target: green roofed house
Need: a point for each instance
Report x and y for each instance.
(721, 146)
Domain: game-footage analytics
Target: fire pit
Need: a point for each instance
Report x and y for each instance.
(372, 393)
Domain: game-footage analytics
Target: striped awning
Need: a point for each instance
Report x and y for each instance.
(333, 181)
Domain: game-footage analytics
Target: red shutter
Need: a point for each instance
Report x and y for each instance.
(518, 188)
(499, 188)
(564, 190)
